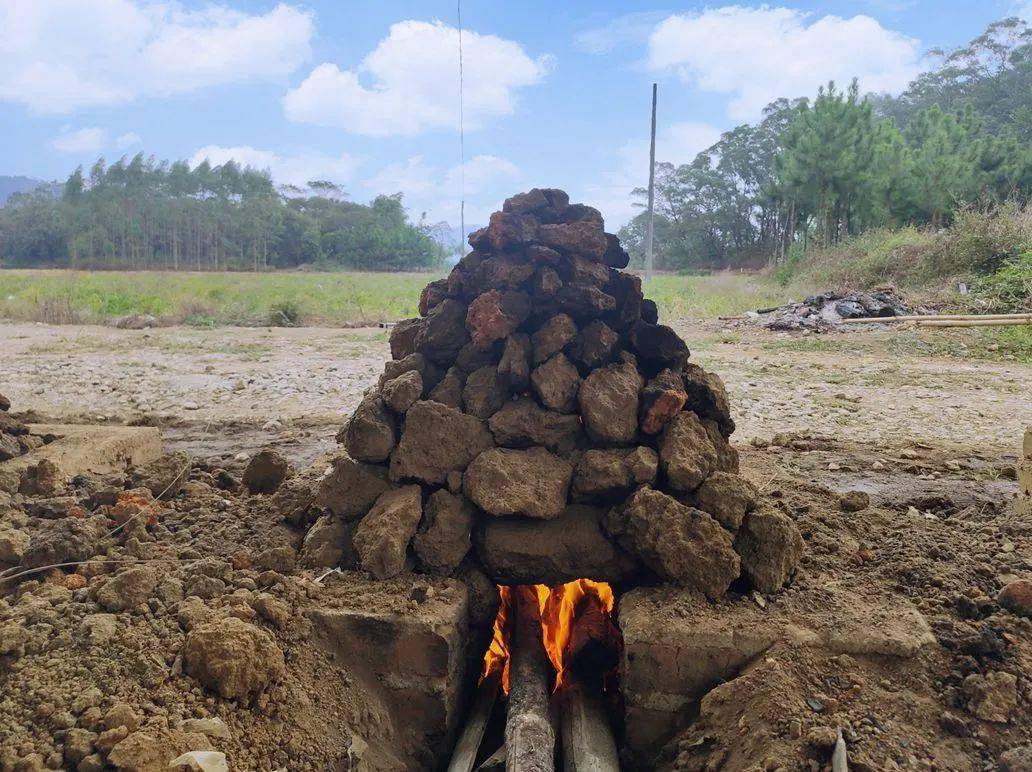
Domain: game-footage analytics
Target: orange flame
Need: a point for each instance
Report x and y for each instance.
(559, 607)
(496, 659)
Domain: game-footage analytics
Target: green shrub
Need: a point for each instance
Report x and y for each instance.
(981, 240)
(790, 267)
(879, 256)
(1010, 288)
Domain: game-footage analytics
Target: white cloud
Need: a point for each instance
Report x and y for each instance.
(285, 169)
(621, 31)
(61, 55)
(437, 191)
(127, 140)
(677, 143)
(758, 54)
(480, 173)
(1023, 10)
(410, 83)
(86, 140)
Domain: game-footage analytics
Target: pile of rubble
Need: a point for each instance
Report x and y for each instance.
(537, 423)
(823, 312)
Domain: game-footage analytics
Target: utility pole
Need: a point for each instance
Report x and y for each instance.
(652, 192)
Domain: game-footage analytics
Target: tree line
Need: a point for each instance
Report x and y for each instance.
(813, 172)
(139, 213)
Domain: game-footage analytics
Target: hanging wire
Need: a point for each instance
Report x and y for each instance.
(462, 140)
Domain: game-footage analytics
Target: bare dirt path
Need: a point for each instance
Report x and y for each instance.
(224, 391)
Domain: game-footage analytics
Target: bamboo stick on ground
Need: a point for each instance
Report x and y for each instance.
(465, 754)
(934, 318)
(976, 323)
(588, 744)
(529, 737)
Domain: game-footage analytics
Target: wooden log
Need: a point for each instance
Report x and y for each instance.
(933, 318)
(465, 754)
(588, 744)
(839, 759)
(494, 763)
(529, 737)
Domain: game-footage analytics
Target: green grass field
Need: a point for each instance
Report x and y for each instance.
(334, 299)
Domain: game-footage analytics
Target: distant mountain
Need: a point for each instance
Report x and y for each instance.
(18, 184)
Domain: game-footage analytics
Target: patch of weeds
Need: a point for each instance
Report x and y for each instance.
(203, 321)
(285, 313)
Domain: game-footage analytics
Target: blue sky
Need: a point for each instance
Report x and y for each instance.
(366, 94)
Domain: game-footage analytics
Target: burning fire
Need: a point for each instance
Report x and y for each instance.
(497, 656)
(560, 607)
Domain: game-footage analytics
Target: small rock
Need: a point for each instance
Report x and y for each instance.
(1016, 759)
(609, 403)
(517, 550)
(556, 383)
(1016, 597)
(854, 501)
(583, 238)
(449, 390)
(771, 547)
(662, 398)
(727, 497)
(233, 658)
(164, 477)
(594, 345)
(532, 482)
(78, 744)
(495, 315)
(523, 423)
(121, 714)
(514, 366)
(13, 543)
(209, 727)
(444, 538)
(686, 452)
(400, 393)
(100, 628)
(437, 440)
(679, 543)
(485, 393)
(266, 471)
(382, 537)
(329, 543)
(992, 697)
(351, 488)
(601, 473)
(552, 337)
(820, 738)
(128, 589)
(369, 434)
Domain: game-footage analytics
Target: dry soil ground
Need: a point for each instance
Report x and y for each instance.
(933, 441)
(227, 391)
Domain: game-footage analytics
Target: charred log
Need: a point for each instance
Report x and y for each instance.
(529, 737)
